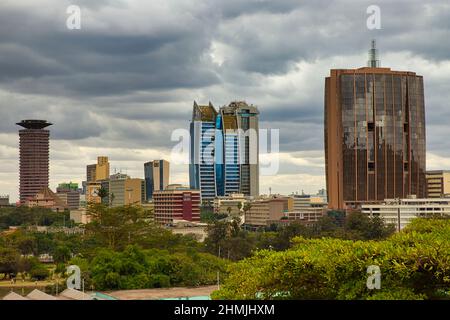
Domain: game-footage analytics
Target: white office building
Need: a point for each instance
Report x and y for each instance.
(401, 211)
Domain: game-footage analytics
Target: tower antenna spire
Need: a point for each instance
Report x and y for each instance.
(373, 62)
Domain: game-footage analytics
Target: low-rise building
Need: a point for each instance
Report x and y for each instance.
(438, 183)
(232, 204)
(69, 194)
(80, 216)
(92, 192)
(307, 209)
(264, 211)
(46, 198)
(128, 191)
(176, 202)
(306, 216)
(196, 229)
(400, 212)
(4, 201)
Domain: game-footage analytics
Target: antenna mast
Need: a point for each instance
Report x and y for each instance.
(373, 62)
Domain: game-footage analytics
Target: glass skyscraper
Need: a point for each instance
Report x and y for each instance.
(221, 145)
(156, 175)
(374, 135)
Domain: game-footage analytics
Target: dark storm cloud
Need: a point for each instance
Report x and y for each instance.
(296, 136)
(272, 42)
(93, 65)
(234, 8)
(87, 62)
(69, 121)
(266, 37)
(130, 75)
(18, 62)
(294, 113)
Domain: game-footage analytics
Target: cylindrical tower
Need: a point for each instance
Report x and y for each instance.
(34, 157)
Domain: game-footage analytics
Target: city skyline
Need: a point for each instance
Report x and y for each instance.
(129, 117)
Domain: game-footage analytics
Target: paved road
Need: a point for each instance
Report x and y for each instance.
(146, 294)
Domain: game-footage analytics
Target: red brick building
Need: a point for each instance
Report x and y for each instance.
(176, 203)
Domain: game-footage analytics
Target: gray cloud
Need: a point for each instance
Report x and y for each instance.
(130, 75)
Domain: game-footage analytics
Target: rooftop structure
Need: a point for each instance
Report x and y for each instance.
(34, 124)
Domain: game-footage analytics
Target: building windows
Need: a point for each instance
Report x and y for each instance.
(405, 166)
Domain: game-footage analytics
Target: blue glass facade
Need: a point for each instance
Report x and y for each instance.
(219, 166)
(202, 159)
(215, 167)
(232, 172)
(148, 175)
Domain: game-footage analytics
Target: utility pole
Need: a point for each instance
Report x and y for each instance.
(218, 280)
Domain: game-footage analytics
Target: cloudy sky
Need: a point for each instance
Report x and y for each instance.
(123, 82)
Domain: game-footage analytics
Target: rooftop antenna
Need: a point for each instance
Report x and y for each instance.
(373, 56)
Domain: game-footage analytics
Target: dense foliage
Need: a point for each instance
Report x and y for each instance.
(24, 216)
(12, 263)
(118, 227)
(227, 239)
(415, 264)
(135, 268)
(120, 249)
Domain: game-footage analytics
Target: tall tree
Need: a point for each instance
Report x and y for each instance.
(119, 226)
(102, 193)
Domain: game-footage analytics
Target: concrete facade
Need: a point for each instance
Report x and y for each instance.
(438, 183)
(400, 212)
(263, 211)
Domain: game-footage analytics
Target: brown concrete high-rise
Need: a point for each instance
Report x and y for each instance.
(34, 157)
(374, 135)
